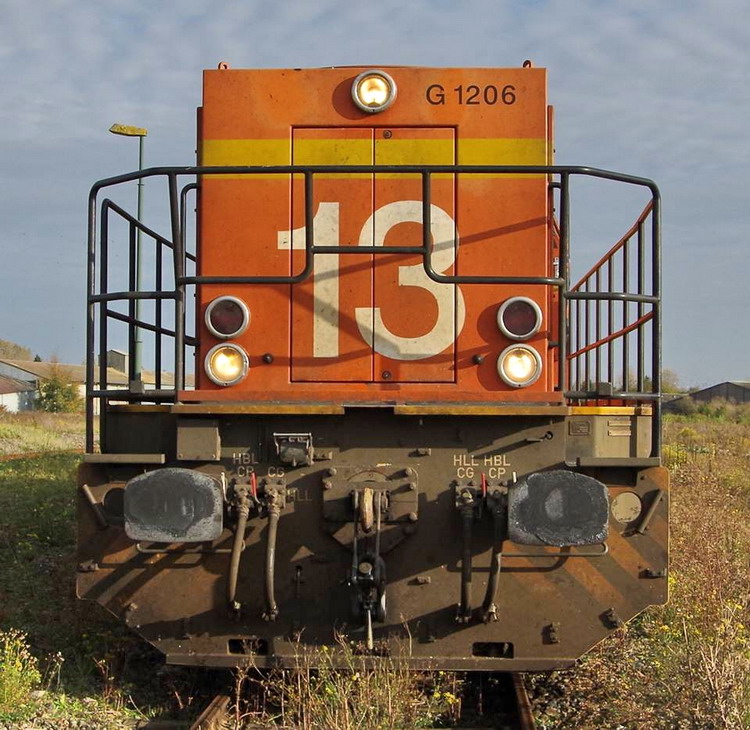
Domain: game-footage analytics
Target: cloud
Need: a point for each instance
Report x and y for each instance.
(654, 89)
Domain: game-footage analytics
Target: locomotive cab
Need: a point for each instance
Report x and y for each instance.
(382, 408)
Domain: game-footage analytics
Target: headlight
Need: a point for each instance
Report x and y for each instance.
(373, 91)
(227, 317)
(519, 366)
(226, 364)
(519, 318)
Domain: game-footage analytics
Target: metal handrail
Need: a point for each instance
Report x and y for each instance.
(98, 299)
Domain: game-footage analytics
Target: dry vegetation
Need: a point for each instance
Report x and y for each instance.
(341, 688)
(38, 431)
(684, 665)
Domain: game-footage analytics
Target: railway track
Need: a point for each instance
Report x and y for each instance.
(496, 701)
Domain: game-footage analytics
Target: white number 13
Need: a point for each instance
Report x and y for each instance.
(450, 301)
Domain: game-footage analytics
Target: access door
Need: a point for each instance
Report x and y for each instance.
(364, 317)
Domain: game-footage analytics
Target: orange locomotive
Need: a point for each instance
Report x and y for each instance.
(398, 395)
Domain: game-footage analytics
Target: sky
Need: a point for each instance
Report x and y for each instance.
(656, 89)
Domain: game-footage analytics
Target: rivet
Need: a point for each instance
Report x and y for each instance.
(387, 134)
(268, 358)
(387, 375)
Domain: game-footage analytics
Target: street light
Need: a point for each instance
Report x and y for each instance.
(140, 132)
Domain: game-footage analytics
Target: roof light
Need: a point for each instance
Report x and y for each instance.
(373, 91)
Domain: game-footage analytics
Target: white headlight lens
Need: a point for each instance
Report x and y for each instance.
(226, 364)
(519, 366)
(373, 91)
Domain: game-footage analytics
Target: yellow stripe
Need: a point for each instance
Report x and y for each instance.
(332, 152)
(502, 152)
(451, 409)
(611, 411)
(455, 409)
(414, 152)
(226, 152)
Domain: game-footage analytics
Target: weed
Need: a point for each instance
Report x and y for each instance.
(685, 664)
(19, 675)
(339, 687)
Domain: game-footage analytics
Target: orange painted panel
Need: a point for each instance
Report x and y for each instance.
(274, 117)
(238, 225)
(331, 314)
(503, 232)
(415, 319)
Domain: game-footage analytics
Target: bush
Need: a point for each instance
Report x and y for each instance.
(19, 674)
(57, 394)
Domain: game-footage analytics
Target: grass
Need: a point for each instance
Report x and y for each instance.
(684, 665)
(37, 431)
(356, 693)
(65, 660)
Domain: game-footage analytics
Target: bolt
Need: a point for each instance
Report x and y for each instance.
(408, 472)
(365, 568)
(327, 484)
(413, 486)
(423, 580)
(552, 635)
(387, 134)
(412, 517)
(331, 472)
(387, 375)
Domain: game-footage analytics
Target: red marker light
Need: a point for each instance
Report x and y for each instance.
(519, 318)
(227, 317)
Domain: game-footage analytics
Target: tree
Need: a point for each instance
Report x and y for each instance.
(670, 381)
(11, 351)
(57, 394)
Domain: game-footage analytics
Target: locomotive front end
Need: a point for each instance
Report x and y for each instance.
(406, 424)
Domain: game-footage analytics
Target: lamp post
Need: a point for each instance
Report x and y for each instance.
(140, 132)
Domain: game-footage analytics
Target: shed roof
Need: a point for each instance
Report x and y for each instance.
(11, 385)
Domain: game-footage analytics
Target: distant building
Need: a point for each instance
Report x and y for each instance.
(732, 391)
(26, 374)
(16, 395)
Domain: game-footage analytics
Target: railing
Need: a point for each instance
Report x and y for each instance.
(594, 340)
(609, 322)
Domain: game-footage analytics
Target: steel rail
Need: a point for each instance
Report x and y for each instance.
(523, 705)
